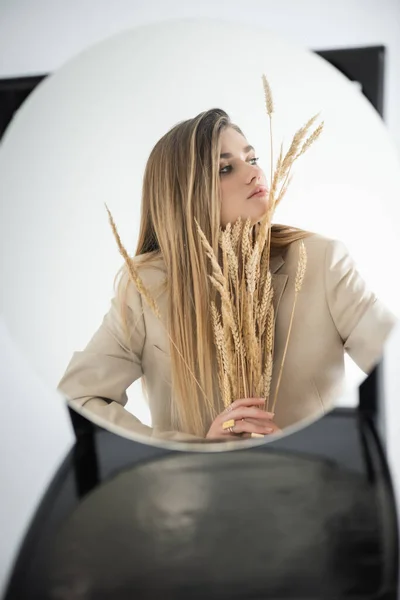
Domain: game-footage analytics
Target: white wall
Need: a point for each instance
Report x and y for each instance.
(38, 36)
(35, 438)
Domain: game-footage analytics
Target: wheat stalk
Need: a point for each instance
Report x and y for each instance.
(132, 269)
(251, 318)
(301, 269)
(277, 176)
(135, 277)
(283, 191)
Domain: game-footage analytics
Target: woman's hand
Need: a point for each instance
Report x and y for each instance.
(249, 418)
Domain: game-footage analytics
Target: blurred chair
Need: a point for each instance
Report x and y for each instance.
(306, 517)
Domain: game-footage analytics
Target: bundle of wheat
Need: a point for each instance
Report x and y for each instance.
(244, 326)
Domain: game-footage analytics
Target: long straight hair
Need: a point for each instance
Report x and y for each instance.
(181, 183)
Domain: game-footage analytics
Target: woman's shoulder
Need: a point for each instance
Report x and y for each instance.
(322, 251)
(316, 243)
(150, 268)
(150, 261)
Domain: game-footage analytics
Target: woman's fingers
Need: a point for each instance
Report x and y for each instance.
(240, 411)
(268, 423)
(266, 428)
(246, 412)
(257, 402)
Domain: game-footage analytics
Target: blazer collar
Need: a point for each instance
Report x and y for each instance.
(279, 280)
(275, 263)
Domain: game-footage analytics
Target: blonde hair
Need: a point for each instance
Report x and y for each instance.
(181, 184)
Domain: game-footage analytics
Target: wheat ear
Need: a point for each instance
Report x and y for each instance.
(228, 312)
(236, 231)
(217, 271)
(269, 104)
(295, 152)
(295, 145)
(222, 356)
(311, 139)
(132, 270)
(269, 344)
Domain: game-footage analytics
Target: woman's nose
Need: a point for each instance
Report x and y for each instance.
(255, 174)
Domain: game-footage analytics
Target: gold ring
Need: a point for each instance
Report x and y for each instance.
(228, 424)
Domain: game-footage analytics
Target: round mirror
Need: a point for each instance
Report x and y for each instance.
(115, 126)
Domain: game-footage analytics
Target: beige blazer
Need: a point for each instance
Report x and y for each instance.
(335, 313)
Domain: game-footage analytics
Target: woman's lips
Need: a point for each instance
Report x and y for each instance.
(259, 192)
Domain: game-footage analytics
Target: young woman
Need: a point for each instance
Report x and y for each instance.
(205, 169)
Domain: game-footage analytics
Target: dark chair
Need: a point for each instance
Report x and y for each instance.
(310, 516)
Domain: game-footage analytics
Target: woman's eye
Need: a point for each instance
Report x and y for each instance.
(228, 168)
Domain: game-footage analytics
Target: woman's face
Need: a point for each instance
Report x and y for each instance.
(240, 176)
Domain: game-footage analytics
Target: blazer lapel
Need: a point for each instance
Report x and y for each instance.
(279, 281)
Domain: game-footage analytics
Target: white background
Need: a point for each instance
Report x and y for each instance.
(38, 37)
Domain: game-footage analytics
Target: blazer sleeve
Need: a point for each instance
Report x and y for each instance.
(363, 322)
(97, 378)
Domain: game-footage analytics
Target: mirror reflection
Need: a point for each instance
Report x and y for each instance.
(163, 354)
(272, 354)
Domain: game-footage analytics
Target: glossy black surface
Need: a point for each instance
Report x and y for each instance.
(307, 517)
